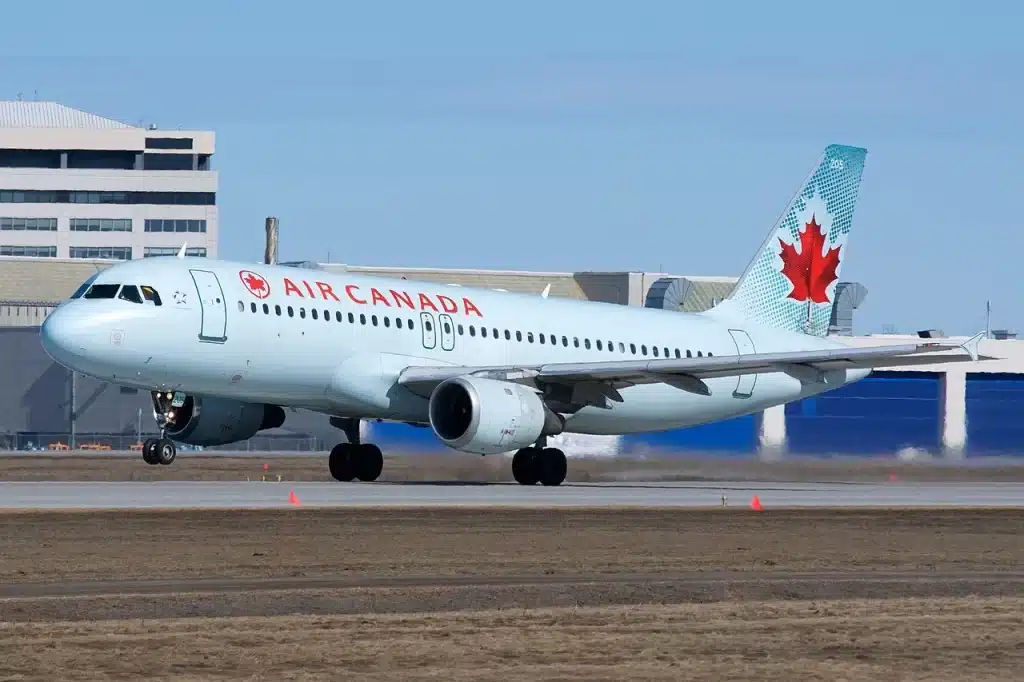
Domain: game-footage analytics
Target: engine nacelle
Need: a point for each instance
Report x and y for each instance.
(218, 421)
(486, 416)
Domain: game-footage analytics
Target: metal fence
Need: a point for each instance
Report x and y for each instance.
(104, 442)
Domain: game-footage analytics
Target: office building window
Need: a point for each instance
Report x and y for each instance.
(151, 251)
(29, 224)
(101, 224)
(29, 251)
(168, 143)
(102, 252)
(168, 225)
(32, 196)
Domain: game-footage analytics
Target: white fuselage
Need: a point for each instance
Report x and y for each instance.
(336, 343)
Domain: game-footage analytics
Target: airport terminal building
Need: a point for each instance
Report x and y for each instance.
(79, 192)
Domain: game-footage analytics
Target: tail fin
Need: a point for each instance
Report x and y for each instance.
(791, 282)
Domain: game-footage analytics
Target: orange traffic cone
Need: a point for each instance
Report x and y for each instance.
(293, 499)
(755, 504)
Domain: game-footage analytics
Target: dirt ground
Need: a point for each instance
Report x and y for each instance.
(442, 467)
(468, 594)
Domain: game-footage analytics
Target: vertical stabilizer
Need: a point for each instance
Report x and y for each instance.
(791, 282)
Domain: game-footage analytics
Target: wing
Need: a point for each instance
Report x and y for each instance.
(575, 385)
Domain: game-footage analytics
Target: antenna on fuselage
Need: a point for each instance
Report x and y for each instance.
(547, 290)
(181, 252)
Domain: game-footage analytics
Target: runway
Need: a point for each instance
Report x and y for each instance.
(262, 495)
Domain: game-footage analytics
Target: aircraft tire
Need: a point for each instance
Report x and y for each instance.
(552, 466)
(525, 466)
(342, 463)
(165, 452)
(149, 451)
(369, 462)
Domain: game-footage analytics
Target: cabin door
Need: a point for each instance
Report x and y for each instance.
(214, 325)
(744, 346)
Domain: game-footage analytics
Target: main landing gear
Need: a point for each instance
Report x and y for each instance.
(158, 451)
(354, 459)
(539, 464)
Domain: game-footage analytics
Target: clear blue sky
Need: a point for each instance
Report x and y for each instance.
(578, 135)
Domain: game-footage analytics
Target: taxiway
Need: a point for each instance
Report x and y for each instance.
(261, 495)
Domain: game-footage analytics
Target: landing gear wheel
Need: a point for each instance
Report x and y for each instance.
(165, 452)
(149, 451)
(552, 466)
(342, 462)
(369, 462)
(524, 466)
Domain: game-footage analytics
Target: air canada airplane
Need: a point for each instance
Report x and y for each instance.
(225, 348)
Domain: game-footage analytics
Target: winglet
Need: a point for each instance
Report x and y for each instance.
(181, 253)
(547, 290)
(972, 345)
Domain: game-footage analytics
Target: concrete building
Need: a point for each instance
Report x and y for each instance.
(80, 186)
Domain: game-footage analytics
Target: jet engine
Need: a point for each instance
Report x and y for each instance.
(486, 416)
(216, 421)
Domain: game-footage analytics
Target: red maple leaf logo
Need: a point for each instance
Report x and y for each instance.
(256, 284)
(809, 272)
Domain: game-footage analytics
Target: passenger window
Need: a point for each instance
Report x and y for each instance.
(622, 347)
(540, 338)
(398, 322)
(472, 330)
(351, 318)
(666, 352)
(150, 294)
(576, 341)
(410, 324)
(519, 336)
(277, 310)
(495, 330)
(483, 332)
(387, 321)
(632, 348)
(313, 313)
(565, 342)
(643, 350)
(599, 346)
(266, 309)
(291, 312)
(373, 320)
(241, 307)
(529, 336)
(337, 316)
(460, 330)
(586, 343)
(362, 318)
(700, 354)
(102, 291)
(302, 313)
(252, 307)
(508, 337)
(689, 354)
(130, 293)
(655, 351)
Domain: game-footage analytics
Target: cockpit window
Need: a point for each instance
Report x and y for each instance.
(85, 286)
(150, 294)
(129, 292)
(102, 291)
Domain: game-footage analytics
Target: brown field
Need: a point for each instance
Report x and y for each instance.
(459, 467)
(464, 594)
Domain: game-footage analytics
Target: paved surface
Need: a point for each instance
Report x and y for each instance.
(192, 495)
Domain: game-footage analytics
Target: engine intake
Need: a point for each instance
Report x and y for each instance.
(487, 416)
(209, 421)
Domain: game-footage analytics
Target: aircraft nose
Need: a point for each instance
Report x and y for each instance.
(62, 335)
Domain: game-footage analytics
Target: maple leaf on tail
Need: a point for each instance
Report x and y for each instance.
(809, 271)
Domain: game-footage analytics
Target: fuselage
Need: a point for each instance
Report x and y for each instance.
(336, 343)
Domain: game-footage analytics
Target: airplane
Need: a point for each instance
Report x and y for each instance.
(224, 348)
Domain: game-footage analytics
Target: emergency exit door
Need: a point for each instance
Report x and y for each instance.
(429, 330)
(744, 346)
(214, 309)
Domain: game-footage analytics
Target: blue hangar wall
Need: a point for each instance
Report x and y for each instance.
(994, 405)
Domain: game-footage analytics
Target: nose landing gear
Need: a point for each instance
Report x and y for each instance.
(162, 450)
